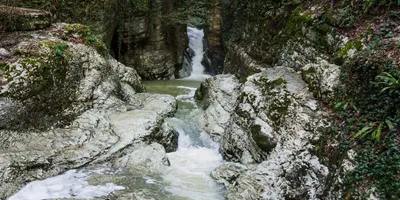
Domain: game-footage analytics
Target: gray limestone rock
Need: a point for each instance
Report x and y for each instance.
(228, 173)
(220, 94)
(322, 79)
(112, 122)
(271, 130)
(23, 19)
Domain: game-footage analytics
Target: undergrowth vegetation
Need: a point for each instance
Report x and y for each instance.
(368, 99)
(367, 102)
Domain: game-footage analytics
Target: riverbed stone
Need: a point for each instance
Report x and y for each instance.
(228, 173)
(219, 94)
(112, 122)
(152, 157)
(270, 132)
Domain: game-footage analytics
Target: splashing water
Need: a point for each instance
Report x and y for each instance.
(72, 184)
(188, 177)
(197, 155)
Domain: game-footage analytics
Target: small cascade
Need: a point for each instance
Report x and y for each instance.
(196, 37)
(197, 156)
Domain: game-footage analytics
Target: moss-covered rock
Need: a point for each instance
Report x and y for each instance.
(50, 76)
(322, 79)
(23, 19)
(271, 130)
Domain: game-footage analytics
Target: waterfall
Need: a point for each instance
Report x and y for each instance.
(196, 37)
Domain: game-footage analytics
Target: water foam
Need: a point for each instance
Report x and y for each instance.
(196, 157)
(72, 184)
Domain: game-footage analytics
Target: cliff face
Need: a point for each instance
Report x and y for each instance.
(260, 34)
(215, 55)
(154, 48)
(135, 31)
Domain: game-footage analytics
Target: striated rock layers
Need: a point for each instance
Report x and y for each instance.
(67, 104)
(214, 56)
(154, 48)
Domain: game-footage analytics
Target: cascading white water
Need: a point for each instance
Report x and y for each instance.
(187, 178)
(197, 155)
(196, 37)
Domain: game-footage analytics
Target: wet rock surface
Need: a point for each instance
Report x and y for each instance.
(271, 131)
(113, 124)
(219, 95)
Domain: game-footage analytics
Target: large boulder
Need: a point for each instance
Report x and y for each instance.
(67, 104)
(219, 95)
(66, 69)
(272, 129)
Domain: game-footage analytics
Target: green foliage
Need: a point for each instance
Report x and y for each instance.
(344, 52)
(377, 164)
(85, 36)
(369, 116)
(79, 29)
(390, 82)
(139, 6)
(369, 4)
(343, 18)
(194, 14)
(374, 129)
(60, 48)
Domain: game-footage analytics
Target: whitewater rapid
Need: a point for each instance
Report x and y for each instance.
(188, 176)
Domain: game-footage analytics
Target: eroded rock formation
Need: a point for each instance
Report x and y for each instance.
(271, 127)
(86, 103)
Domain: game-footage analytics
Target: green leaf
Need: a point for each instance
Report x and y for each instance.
(377, 133)
(364, 131)
(345, 106)
(389, 123)
(384, 89)
(338, 105)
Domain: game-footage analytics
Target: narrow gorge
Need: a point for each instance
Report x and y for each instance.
(199, 100)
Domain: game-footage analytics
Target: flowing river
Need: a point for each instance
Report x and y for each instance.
(197, 155)
(188, 176)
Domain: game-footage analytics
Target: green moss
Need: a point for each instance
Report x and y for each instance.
(296, 22)
(310, 76)
(279, 99)
(81, 30)
(343, 53)
(86, 37)
(44, 84)
(268, 85)
(279, 108)
(201, 92)
(4, 66)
